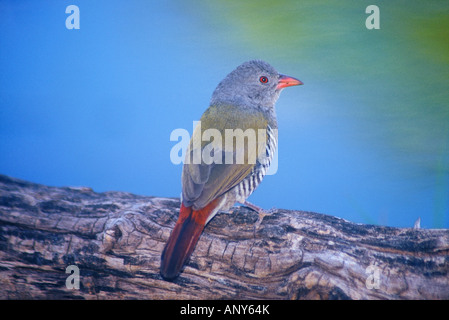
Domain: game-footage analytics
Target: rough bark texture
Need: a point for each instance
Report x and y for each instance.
(116, 239)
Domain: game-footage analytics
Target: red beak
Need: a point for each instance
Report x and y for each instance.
(286, 81)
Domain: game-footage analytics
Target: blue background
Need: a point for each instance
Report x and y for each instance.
(366, 138)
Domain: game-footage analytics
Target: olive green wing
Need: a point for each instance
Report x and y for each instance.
(223, 150)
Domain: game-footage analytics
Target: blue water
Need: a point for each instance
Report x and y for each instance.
(366, 138)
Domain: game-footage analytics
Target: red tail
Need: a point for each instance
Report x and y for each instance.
(183, 239)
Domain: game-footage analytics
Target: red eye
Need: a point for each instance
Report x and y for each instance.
(263, 79)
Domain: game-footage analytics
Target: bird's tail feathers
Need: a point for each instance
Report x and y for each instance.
(183, 238)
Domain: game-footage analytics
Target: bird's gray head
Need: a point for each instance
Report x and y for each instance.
(252, 84)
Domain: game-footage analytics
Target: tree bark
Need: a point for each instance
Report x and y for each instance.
(115, 240)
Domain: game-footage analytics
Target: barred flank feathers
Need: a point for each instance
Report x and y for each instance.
(250, 183)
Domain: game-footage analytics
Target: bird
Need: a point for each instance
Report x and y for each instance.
(218, 174)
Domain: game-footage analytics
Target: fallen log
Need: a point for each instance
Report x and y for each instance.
(74, 243)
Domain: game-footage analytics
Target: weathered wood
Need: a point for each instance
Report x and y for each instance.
(116, 238)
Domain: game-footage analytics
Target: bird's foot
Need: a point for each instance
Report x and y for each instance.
(253, 207)
(261, 212)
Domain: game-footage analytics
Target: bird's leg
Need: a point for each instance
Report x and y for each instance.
(261, 212)
(253, 207)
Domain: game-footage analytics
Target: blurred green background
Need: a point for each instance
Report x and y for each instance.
(366, 138)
